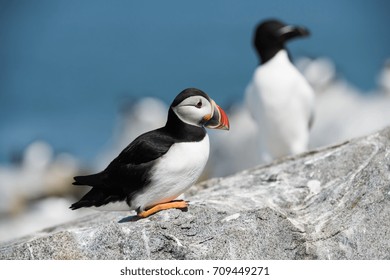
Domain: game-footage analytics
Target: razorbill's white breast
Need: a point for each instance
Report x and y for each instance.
(278, 97)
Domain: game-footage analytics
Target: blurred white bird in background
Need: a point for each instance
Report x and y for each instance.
(279, 98)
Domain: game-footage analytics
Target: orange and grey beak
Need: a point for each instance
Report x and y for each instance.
(218, 120)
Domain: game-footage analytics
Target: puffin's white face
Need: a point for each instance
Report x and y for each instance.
(194, 110)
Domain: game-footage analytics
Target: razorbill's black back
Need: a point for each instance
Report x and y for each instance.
(278, 97)
(161, 164)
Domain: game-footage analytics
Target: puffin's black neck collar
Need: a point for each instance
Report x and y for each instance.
(182, 131)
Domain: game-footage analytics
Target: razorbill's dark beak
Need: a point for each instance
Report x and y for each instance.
(218, 120)
(289, 31)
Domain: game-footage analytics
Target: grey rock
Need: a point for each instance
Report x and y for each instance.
(330, 203)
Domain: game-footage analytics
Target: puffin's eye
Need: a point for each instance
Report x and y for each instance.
(199, 104)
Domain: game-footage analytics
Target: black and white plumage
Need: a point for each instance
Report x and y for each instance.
(161, 164)
(279, 98)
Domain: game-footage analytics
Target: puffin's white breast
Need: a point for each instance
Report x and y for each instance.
(174, 172)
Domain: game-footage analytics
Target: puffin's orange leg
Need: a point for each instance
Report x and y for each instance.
(180, 204)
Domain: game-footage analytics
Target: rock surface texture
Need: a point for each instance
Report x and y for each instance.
(331, 203)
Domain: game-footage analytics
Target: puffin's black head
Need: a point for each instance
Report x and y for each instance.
(194, 107)
(271, 35)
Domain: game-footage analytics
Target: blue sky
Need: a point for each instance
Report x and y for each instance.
(67, 66)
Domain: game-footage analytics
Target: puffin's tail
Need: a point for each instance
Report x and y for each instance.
(89, 180)
(96, 196)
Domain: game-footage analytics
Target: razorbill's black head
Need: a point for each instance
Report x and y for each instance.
(158, 165)
(271, 35)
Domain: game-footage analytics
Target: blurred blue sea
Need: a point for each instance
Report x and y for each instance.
(68, 67)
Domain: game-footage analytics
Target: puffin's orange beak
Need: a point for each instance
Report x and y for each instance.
(219, 119)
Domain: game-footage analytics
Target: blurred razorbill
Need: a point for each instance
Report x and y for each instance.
(278, 97)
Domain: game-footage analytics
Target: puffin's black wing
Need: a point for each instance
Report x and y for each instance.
(127, 173)
(145, 148)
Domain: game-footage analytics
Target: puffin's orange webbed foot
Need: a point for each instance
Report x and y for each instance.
(179, 204)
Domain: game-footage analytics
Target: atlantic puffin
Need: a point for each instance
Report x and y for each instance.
(159, 165)
(279, 98)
